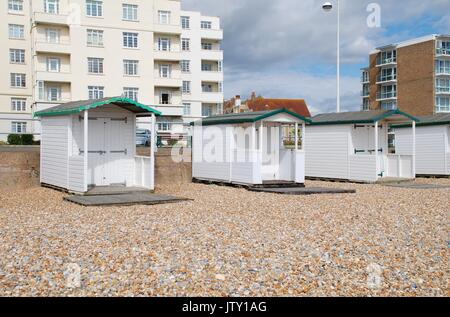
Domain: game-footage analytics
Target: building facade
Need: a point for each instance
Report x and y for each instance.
(151, 51)
(412, 76)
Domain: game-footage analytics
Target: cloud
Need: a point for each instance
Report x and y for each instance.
(295, 41)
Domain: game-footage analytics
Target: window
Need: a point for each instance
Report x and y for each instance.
(442, 104)
(366, 90)
(18, 127)
(165, 71)
(186, 23)
(365, 76)
(443, 47)
(206, 67)
(15, 5)
(53, 93)
(131, 93)
(207, 110)
(207, 88)
(130, 12)
(186, 87)
(18, 104)
(16, 31)
(164, 126)
(164, 98)
(387, 57)
(164, 17)
(185, 44)
(94, 8)
(52, 35)
(186, 109)
(130, 40)
(17, 56)
(163, 44)
(95, 38)
(391, 141)
(53, 64)
(95, 65)
(388, 92)
(206, 46)
(185, 66)
(51, 6)
(389, 105)
(219, 66)
(96, 92)
(442, 67)
(18, 80)
(130, 67)
(442, 85)
(206, 25)
(220, 86)
(366, 104)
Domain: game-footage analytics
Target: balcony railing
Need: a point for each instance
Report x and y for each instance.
(386, 78)
(365, 93)
(386, 61)
(386, 95)
(443, 70)
(443, 90)
(443, 51)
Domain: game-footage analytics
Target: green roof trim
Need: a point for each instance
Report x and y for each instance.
(358, 117)
(80, 106)
(247, 117)
(433, 120)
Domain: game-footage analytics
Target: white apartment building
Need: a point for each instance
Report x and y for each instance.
(55, 51)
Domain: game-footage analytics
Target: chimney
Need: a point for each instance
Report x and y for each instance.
(253, 95)
(237, 101)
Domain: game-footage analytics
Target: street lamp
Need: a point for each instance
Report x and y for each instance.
(327, 7)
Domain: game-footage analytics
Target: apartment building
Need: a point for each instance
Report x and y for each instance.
(413, 76)
(151, 51)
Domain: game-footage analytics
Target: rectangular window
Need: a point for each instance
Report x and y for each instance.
(164, 17)
(186, 87)
(220, 86)
(96, 92)
(165, 71)
(164, 98)
(442, 104)
(51, 6)
(130, 12)
(53, 93)
(220, 66)
(15, 5)
(442, 67)
(206, 25)
(94, 8)
(206, 46)
(389, 105)
(207, 111)
(130, 67)
(164, 126)
(95, 38)
(18, 104)
(185, 66)
(18, 80)
(131, 93)
(442, 85)
(130, 40)
(16, 31)
(186, 109)
(186, 44)
(19, 127)
(186, 23)
(387, 57)
(164, 44)
(206, 67)
(52, 36)
(207, 88)
(95, 65)
(53, 64)
(17, 56)
(366, 104)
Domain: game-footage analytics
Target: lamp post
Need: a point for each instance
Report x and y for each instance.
(327, 7)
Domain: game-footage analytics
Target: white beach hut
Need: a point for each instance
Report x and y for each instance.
(354, 146)
(250, 148)
(106, 130)
(432, 144)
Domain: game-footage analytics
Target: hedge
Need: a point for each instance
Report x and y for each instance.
(20, 139)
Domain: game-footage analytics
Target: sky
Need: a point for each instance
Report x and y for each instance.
(287, 48)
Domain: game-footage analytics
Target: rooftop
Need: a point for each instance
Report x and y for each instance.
(361, 117)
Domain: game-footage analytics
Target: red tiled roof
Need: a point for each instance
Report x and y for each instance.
(295, 105)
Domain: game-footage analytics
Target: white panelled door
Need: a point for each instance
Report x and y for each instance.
(271, 153)
(97, 151)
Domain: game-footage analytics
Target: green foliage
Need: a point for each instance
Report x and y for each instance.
(172, 142)
(27, 139)
(20, 139)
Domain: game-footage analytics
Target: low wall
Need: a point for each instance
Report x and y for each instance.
(20, 166)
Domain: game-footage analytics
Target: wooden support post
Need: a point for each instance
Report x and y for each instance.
(86, 149)
(303, 135)
(261, 139)
(414, 149)
(153, 152)
(376, 150)
(296, 136)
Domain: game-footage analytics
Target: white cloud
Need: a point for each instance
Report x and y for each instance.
(287, 41)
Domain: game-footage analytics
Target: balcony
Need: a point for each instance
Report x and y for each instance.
(384, 95)
(57, 77)
(172, 56)
(382, 79)
(443, 52)
(386, 61)
(214, 76)
(50, 18)
(443, 90)
(443, 71)
(175, 110)
(211, 34)
(167, 28)
(211, 55)
(365, 94)
(212, 97)
(168, 82)
(60, 48)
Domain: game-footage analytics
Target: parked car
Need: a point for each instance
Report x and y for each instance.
(143, 137)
